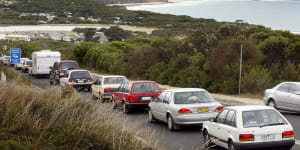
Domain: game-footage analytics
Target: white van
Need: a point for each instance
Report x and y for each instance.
(43, 60)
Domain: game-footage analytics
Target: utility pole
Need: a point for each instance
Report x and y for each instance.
(241, 63)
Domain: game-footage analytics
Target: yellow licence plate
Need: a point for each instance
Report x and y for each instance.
(202, 109)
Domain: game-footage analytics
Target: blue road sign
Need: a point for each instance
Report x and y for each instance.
(15, 56)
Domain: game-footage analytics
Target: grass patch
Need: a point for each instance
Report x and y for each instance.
(38, 119)
(13, 76)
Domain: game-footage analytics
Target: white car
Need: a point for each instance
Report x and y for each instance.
(104, 86)
(285, 96)
(183, 106)
(249, 127)
(19, 66)
(80, 79)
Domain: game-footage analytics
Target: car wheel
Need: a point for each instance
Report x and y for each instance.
(125, 108)
(151, 118)
(51, 82)
(271, 103)
(101, 98)
(231, 146)
(172, 126)
(207, 139)
(114, 103)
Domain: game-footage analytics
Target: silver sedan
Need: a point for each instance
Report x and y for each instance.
(184, 106)
(285, 96)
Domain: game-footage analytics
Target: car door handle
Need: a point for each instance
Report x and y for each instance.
(218, 128)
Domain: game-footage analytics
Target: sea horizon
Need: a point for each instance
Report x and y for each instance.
(275, 14)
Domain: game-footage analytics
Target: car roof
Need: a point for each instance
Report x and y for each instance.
(74, 70)
(67, 61)
(185, 90)
(249, 107)
(141, 81)
(291, 82)
(112, 76)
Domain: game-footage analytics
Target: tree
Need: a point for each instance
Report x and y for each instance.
(277, 50)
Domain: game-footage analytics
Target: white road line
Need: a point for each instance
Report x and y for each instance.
(297, 142)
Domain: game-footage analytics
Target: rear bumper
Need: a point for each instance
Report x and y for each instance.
(194, 118)
(81, 85)
(133, 105)
(273, 144)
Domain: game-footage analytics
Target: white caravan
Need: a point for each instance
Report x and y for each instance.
(43, 60)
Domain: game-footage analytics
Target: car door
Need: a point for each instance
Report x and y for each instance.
(164, 107)
(227, 129)
(157, 109)
(294, 99)
(281, 94)
(117, 95)
(64, 79)
(215, 129)
(97, 86)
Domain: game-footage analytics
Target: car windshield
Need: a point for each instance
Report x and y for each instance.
(114, 80)
(80, 75)
(261, 118)
(192, 97)
(147, 87)
(68, 65)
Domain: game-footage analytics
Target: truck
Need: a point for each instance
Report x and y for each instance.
(43, 60)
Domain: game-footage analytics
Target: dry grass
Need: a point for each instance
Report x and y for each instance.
(36, 119)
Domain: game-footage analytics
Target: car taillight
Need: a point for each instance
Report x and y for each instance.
(246, 137)
(106, 90)
(288, 134)
(26, 67)
(219, 109)
(131, 98)
(91, 80)
(70, 81)
(184, 111)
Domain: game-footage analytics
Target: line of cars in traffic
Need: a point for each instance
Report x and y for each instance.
(234, 127)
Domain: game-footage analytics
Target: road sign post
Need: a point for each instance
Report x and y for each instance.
(15, 56)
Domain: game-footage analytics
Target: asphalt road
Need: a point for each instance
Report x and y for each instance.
(188, 138)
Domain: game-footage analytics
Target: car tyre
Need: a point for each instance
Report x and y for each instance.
(51, 81)
(207, 140)
(271, 103)
(172, 126)
(151, 118)
(114, 103)
(125, 108)
(232, 146)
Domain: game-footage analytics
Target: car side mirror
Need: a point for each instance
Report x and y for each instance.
(50, 67)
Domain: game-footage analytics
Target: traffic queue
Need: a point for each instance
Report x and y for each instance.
(233, 127)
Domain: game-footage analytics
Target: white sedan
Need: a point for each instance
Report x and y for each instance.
(184, 106)
(249, 127)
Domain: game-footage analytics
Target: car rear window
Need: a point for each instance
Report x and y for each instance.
(145, 88)
(68, 65)
(28, 63)
(114, 80)
(80, 75)
(193, 97)
(260, 118)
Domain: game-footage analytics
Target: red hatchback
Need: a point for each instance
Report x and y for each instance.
(135, 94)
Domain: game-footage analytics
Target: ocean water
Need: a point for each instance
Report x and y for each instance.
(279, 15)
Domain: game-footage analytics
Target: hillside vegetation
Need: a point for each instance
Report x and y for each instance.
(205, 59)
